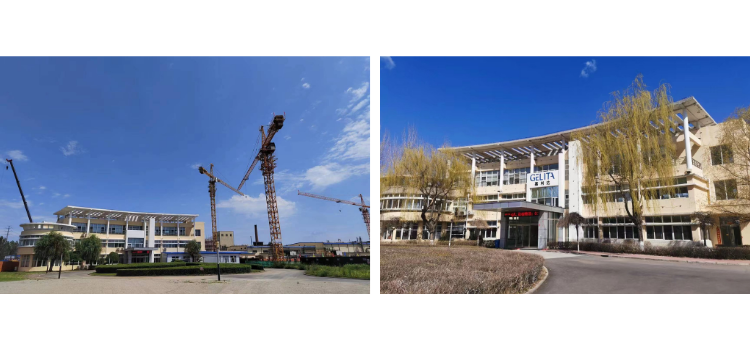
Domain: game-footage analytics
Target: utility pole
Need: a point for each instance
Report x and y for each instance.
(7, 232)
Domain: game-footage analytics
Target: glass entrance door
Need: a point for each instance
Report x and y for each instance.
(522, 236)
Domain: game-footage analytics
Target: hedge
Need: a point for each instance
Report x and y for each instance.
(115, 268)
(208, 269)
(690, 250)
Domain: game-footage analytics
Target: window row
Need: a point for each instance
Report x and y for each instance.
(545, 195)
(515, 176)
(486, 178)
(547, 167)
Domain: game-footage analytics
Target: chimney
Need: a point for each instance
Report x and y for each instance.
(256, 233)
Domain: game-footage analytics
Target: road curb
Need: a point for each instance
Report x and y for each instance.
(540, 282)
(656, 258)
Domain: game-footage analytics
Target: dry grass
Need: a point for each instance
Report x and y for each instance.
(458, 270)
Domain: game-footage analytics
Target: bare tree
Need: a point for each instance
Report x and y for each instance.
(437, 175)
(630, 153)
(705, 219)
(732, 161)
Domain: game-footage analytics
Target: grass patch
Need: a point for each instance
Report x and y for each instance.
(358, 271)
(103, 274)
(15, 276)
(415, 269)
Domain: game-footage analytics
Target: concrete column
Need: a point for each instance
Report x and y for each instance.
(500, 176)
(126, 232)
(575, 181)
(107, 241)
(688, 151)
(473, 171)
(145, 234)
(88, 224)
(151, 256)
(70, 220)
(178, 239)
(561, 178)
(151, 232)
(531, 170)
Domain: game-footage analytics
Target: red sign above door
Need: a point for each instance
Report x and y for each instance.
(516, 214)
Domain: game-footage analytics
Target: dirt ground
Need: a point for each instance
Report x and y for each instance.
(271, 281)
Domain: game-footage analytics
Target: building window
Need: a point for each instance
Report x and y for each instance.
(135, 228)
(80, 227)
(545, 195)
(721, 155)
(198, 232)
(135, 242)
(515, 196)
(725, 190)
(486, 178)
(547, 167)
(117, 229)
(515, 176)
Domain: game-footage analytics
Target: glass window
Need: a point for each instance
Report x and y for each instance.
(725, 190)
(667, 232)
(687, 233)
(198, 232)
(677, 233)
(721, 155)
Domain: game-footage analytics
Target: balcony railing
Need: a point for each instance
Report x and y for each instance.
(683, 160)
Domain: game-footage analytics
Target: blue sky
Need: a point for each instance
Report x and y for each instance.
(469, 101)
(129, 133)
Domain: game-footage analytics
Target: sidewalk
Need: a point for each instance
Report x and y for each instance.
(657, 257)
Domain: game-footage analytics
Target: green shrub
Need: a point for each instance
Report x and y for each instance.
(208, 269)
(115, 268)
(257, 267)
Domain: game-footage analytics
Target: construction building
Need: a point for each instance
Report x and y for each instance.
(134, 236)
(523, 187)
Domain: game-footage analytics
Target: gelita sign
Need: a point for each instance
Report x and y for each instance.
(542, 179)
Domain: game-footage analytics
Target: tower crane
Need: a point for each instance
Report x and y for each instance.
(362, 206)
(19, 188)
(212, 191)
(267, 165)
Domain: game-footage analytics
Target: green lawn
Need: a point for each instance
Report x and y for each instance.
(358, 271)
(14, 276)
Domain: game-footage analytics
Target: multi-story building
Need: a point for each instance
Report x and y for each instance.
(226, 238)
(523, 187)
(135, 236)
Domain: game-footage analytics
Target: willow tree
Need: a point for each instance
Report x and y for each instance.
(630, 152)
(415, 167)
(735, 134)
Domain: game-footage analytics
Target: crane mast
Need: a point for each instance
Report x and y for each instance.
(363, 208)
(19, 188)
(267, 165)
(212, 193)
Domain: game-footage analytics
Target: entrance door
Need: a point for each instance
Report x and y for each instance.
(533, 236)
(522, 236)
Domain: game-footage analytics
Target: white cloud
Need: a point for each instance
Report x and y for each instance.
(71, 148)
(42, 187)
(361, 104)
(303, 79)
(17, 156)
(388, 61)
(14, 205)
(55, 195)
(196, 165)
(301, 120)
(589, 68)
(66, 195)
(305, 86)
(256, 206)
(322, 176)
(354, 141)
(287, 137)
(357, 94)
(338, 120)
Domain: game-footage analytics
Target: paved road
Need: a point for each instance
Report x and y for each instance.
(271, 281)
(574, 274)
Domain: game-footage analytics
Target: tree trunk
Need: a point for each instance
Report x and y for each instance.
(59, 271)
